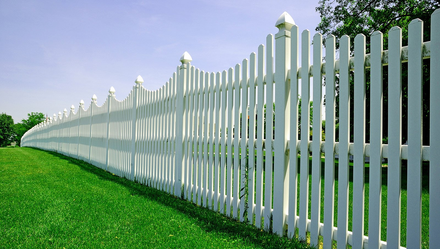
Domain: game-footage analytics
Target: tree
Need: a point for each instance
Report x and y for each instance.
(6, 130)
(33, 119)
(348, 17)
(340, 17)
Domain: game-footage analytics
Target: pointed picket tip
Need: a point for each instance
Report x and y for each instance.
(139, 80)
(185, 58)
(285, 20)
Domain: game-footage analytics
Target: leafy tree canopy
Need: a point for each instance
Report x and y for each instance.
(33, 119)
(6, 129)
(340, 17)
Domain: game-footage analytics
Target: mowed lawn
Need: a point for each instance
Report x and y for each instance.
(48, 200)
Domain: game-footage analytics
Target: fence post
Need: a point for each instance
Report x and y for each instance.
(71, 139)
(139, 82)
(55, 138)
(80, 108)
(59, 132)
(64, 137)
(110, 96)
(94, 98)
(282, 113)
(185, 59)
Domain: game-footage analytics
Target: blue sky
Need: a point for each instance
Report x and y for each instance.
(55, 53)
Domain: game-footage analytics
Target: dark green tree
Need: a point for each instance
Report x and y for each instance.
(33, 119)
(349, 17)
(6, 130)
(340, 17)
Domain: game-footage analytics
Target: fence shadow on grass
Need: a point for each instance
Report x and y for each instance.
(206, 219)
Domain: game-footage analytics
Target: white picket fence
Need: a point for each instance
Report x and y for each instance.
(186, 138)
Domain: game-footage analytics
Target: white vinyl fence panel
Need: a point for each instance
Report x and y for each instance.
(234, 141)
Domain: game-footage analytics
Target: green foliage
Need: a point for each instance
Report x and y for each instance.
(6, 130)
(33, 119)
(349, 17)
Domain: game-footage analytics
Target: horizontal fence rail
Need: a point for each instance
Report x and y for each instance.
(234, 142)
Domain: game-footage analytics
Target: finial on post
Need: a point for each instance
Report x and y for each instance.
(59, 114)
(72, 108)
(139, 80)
(185, 58)
(81, 103)
(94, 98)
(65, 111)
(112, 91)
(284, 22)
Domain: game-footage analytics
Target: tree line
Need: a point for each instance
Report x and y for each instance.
(10, 132)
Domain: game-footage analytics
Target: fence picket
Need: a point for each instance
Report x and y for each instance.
(243, 130)
(200, 115)
(269, 133)
(330, 109)
(191, 164)
(344, 140)
(211, 140)
(217, 145)
(375, 199)
(230, 129)
(434, 170)
(222, 166)
(260, 134)
(251, 168)
(317, 139)
(305, 135)
(205, 139)
(294, 99)
(414, 193)
(359, 141)
(159, 144)
(236, 140)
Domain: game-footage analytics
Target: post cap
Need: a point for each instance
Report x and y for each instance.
(285, 21)
(112, 91)
(81, 103)
(185, 58)
(65, 110)
(139, 80)
(72, 108)
(94, 98)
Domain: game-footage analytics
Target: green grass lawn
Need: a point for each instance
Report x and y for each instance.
(49, 200)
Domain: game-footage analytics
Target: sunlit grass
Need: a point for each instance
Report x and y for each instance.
(49, 200)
